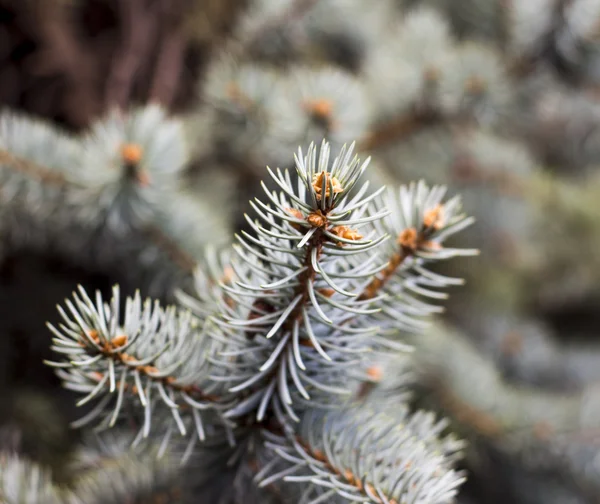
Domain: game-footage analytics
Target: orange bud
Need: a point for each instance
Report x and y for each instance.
(375, 373)
(317, 183)
(408, 239)
(119, 341)
(346, 233)
(131, 153)
(320, 108)
(294, 212)
(434, 218)
(326, 292)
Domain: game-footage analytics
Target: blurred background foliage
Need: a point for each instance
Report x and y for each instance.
(498, 99)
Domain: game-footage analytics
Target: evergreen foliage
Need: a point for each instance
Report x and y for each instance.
(279, 340)
(281, 350)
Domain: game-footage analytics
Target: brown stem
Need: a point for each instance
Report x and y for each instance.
(377, 283)
(110, 350)
(396, 130)
(478, 420)
(409, 245)
(156, 235)
(29, 168)
(177, 255)
(138, 24)
(316, 242)
(347, 474)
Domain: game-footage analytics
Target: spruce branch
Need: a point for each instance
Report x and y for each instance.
(301, 287)
(154, 360)
(82, 194)
(35, 149)
(363, 456)
(25, 482)
(300, 301)
(108, 469)
(284, 17)
(9, 160)
(130, 162)
(291, 320)
(396, 130)
(421, 222)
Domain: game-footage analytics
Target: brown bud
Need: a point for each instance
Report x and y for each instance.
(408, 239)
(294, 212)
(317, 183)
(93, 334)
(119, 341)
(346, 233)
(298, 215)
(434, 218)
(326, 292)
(317, 219)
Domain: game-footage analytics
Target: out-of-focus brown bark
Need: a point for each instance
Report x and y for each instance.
(71, 60)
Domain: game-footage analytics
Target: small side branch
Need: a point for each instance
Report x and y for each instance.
(396, 130)
(364, 487)
(31, 169)
(185, 261)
